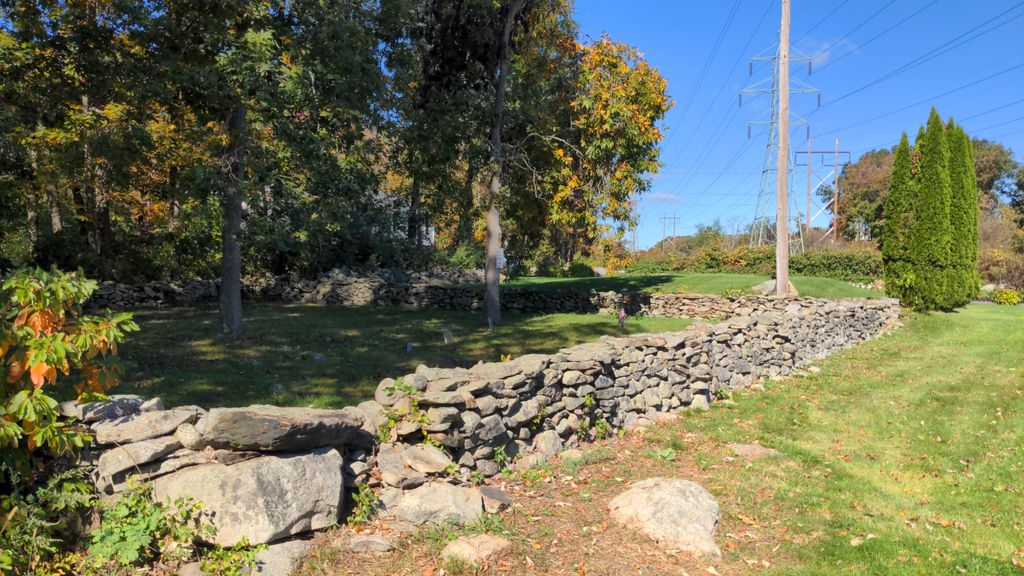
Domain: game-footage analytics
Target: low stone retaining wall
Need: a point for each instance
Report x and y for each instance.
(425, 441)
(445, 291)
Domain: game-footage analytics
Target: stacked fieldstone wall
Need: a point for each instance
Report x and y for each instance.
(440, 288)
(267, 474)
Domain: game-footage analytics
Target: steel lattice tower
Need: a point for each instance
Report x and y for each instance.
(762, 229)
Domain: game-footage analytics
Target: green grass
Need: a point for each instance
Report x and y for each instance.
(905, 455)
(176, 355)
(695, 283)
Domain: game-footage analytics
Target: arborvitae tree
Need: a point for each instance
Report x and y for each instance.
(963, 215)
(898, 218)
(930, 235)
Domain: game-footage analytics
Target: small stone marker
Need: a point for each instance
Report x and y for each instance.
(449, 338)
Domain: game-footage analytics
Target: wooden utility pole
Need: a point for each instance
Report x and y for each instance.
(781, 171)
(835, 195)
(807, 226)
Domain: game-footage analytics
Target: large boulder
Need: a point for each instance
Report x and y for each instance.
(273, 428)
(677, 514)
(439, 502)
(265, 499)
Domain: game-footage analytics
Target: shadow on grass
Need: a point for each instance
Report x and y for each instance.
(329, 356)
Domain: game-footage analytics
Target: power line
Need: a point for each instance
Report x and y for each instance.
(994, 109)
(930, 98)
(827, 16)
(932, 54)
(707, 63)
(739, 58)
(1005, 134)
(999, 125)
(877, 36)
(843, 37)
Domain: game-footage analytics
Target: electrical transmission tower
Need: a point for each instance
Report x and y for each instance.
(841, 159)
(762, 230)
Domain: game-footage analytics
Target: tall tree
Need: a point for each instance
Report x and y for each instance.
(963, 215)
(612, 148)
(510, 11)
(898, 220)
(931, 233)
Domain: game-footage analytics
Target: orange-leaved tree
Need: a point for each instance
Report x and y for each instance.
(50, 349)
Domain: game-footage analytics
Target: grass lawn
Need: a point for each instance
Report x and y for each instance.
(903, 456)
(330, 356)
(696, 284)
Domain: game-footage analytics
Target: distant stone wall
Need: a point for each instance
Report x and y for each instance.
(441, 289)
(266, 473)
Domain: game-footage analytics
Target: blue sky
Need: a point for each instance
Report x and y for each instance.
(873, 84)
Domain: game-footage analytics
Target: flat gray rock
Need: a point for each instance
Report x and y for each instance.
(426, 459)
(439, 502)
(142, 426)
(495, 499)
(134, 455)
(272, 428)
(118, 406)
(371, 543)
(752, 451)
(265, 499)
(677, 514)
(281, 558)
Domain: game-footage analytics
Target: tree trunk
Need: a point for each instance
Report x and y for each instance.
(492, 295)
(231, 250)
(413, 227)
(465, 228)
(56, 223)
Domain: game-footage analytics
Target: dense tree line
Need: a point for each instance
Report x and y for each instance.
(864, 183)
(165, 138)
(930, 233)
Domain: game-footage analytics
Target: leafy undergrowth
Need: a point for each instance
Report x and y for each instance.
(327, 356)
(902, 456)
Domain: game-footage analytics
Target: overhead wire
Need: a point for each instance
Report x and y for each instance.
(707, 63)
(739, 58)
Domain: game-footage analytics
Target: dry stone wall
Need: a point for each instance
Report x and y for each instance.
(267, 473)
(440, 288)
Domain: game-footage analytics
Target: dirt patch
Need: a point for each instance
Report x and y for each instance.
(559, 521)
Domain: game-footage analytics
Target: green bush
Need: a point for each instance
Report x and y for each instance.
(579, 268)
(851, 265)
(35, 523)
(1006, 297)
(466, 257)
(43, 334)
(857, 265)
(134, 530)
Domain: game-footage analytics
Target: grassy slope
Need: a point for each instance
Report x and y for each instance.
(915, 439)
(903, 456)
(696, 284)
(177, 356)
